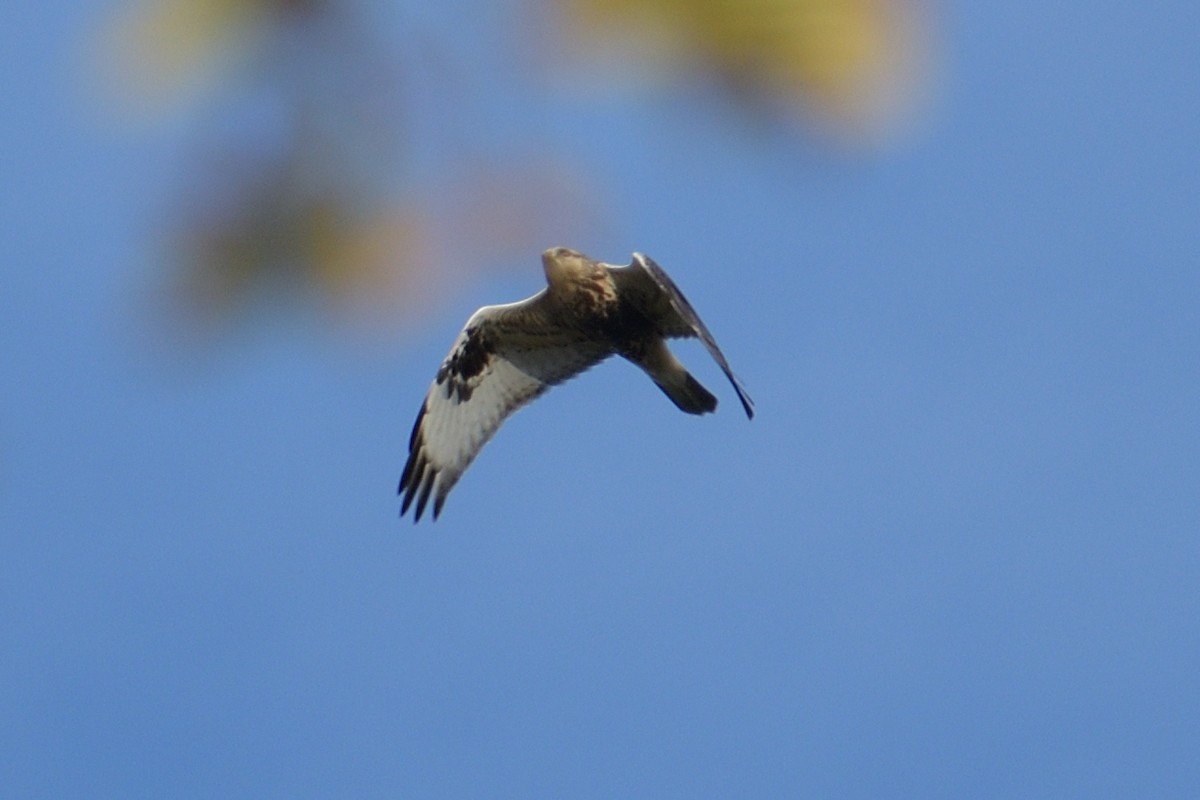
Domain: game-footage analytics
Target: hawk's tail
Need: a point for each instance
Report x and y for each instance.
(686, 392)
(674, 379)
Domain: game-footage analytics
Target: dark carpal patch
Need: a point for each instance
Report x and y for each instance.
(467, 361)
(414, 468)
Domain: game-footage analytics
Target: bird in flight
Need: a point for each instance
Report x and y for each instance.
(507, 355)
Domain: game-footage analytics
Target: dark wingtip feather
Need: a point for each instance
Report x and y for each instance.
(426, 488)
(416, 428)
(747, 403)
(408, 498)
(406, 476)
(416, 480)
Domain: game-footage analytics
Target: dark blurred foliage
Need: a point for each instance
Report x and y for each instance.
(303, 182)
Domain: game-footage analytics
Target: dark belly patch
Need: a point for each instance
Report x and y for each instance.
(625, 328)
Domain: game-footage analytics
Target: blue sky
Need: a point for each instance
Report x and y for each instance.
(955, 555)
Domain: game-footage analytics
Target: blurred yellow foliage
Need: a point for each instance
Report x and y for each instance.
(852, 61)
(313, 203)
(313, 191)
(160, 50)
(270, 239)
(357, 261)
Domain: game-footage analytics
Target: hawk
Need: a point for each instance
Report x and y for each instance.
(507, 355)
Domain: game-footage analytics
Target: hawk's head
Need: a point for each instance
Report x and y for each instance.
(564, 265)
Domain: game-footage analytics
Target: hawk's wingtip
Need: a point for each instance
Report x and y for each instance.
(747, 403)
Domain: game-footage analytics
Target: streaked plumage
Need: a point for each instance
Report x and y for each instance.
(507, 355)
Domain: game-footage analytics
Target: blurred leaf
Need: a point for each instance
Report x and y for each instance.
(853, 62)
(159, 51)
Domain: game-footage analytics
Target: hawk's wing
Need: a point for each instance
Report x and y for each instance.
(505, 357)
(645, 284)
